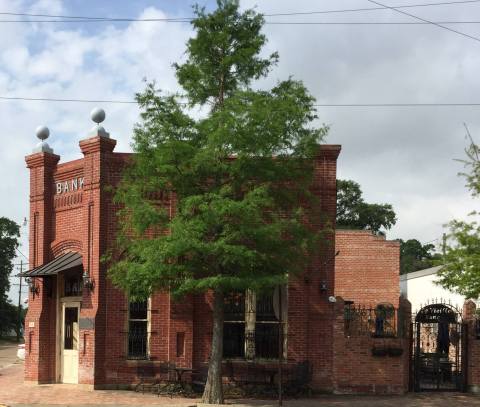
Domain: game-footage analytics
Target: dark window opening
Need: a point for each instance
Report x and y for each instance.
(265, 309)
(234, 326)
(266, 328)
(252, 326)
(234, 339)
(73, 286)
(70, 328)
(138, 330)
(180, 344)
(266, 340)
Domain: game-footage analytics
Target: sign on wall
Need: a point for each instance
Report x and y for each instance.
(69, 186)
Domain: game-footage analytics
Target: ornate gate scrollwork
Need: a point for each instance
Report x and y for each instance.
(439, 349)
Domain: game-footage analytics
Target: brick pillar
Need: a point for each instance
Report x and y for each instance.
(180, 347)
(405, 331)
(473, 347)
(40, 321)
(98, 153)
(319, 280)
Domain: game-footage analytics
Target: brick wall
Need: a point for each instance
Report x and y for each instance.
(356, 370)
(84, 220)
(367, 268)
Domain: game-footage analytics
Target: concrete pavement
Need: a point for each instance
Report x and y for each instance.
(8, 353)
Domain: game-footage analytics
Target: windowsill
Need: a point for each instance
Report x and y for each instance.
(384, 336)
(136, 362)
(257, 360)
(71, 299)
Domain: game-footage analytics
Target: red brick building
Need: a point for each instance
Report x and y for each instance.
(93, 336)
(366, 267)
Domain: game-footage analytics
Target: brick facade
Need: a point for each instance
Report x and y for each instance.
(367, 267)
(67, 216)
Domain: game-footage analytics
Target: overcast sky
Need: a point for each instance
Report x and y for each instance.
(399, 155)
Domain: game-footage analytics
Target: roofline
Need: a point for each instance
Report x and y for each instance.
(420, 273)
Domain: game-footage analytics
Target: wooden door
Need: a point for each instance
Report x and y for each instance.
(69, 343)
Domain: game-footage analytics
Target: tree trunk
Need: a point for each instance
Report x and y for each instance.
(213, 389)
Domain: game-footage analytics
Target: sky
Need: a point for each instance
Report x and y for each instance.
(404, 156)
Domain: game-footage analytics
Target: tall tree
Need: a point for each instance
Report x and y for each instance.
(461, 260)
(415, 256)
(239, 176)
(9, 234)
(353, 212)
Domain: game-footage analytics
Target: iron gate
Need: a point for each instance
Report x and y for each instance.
(439, 349)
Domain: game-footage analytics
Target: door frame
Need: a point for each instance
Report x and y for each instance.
(71, 302)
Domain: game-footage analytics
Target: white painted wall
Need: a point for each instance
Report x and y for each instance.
(419, 287)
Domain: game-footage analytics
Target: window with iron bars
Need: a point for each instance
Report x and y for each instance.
(251, 326)
(379, 322)
(138, 330)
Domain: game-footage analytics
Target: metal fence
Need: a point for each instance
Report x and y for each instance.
(381, 321)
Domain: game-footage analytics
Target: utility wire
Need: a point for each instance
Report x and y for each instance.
(66, 100)
(106, 101)
(426, 21)
(396, 104)
(18, 250)
(67, 18)
(370, 8)
(271, 22)
(365, 22)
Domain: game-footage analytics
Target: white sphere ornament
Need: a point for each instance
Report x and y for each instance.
(97, 115)
(42, 132)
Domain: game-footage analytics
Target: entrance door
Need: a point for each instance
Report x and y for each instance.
(69, 343)
(439, 349)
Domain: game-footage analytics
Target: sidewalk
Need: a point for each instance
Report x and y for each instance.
(8, 353)
(14, 393)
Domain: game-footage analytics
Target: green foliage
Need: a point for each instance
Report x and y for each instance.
(472, 165)
(9, 234)
(236, 176)
(415, 256)
(220, 202)
(354, 213)
(10, 319)
(461, 270)
(461, 262)
(224, 55)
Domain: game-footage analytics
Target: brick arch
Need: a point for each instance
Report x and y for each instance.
(65, 246)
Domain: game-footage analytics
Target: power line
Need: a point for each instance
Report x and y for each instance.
(113, 19)
(427, 21)
(365, 22)
(66, 100)
(370, 8)
(271, 22)
(18, 250)
(107, 101)
(68, 18)
(397, 104)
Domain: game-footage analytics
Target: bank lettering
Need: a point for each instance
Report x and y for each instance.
(69, 186)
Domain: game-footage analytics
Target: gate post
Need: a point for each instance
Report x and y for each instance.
(471, 357)
(411, 365)
(465, 353)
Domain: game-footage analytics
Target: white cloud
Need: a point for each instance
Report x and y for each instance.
(47, 60)
(400, 156)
